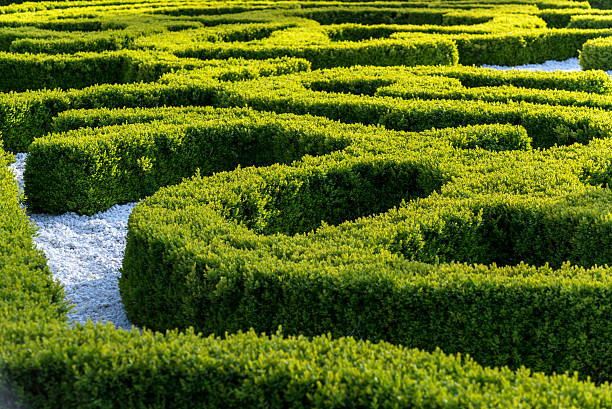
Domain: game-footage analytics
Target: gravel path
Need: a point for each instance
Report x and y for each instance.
(568, 65)
(85, 253)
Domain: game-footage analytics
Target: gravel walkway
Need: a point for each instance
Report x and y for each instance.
(84, 254)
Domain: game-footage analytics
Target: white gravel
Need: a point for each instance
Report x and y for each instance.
(84, 254)
(568, 65)
(571, 64)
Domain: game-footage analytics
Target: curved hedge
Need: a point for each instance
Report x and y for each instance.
(457, 237)
(24, 116)
(45, 364)
(547, 125)
(597, 54)
(262, 247)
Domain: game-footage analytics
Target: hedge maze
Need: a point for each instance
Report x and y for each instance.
(338, 206)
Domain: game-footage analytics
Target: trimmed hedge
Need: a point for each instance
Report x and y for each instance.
(546, 125)
(597, 54)
(336, 243)
(117, 164)
(370, 15)
(124, 370)
(26, 116)
(45, 364)
(600, 22)
(601, 4)
(519, 46)
(73, 45)
(36, 71)
(262, 247)
(414, 51)
(125, 163)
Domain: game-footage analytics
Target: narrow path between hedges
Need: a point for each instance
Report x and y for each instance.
(85, 252)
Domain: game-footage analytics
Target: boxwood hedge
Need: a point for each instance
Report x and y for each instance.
(459, 237)
(44, 363)
(262, 247)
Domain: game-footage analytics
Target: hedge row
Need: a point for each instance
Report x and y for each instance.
(448, 83)
(498, 24)
(35, 71)
(71, 45)
(601, 22)
(498, 94)
(25, 116)
(494, 227)
(490, 137)
(591, 81)
(371, 15)
(118, 369)
(597, 54)
(123, 163)
(413, 51)
(262, 247)
(546, 125)
(512, 46)
(520, 46)
(45, 364)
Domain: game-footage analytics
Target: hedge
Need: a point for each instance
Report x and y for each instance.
(73, 45)
(36, 71)
(24, 116)
(328, 243)
(519, 46)
(46, 364)
(127, 162)
(601, 4)
(417, 51)
(596, 54)
(546, 125)
(123, 163)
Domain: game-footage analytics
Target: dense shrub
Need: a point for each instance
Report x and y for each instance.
(460, 236)
(313, 247)
(547, 125)
(597, 54)
(27, 115)
(420, 51)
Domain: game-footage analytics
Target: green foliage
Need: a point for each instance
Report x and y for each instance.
(597, 54)
(601, 4)
(35, 71)
(487, 232)
(330, 244)
(547, 125)
(25, 116)
(420, 51)
(106, 165)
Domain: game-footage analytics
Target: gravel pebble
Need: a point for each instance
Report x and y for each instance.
(571, 64)
(84, 254)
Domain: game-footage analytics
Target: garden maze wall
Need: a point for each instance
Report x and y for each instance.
(337, 205)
